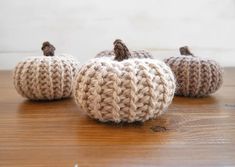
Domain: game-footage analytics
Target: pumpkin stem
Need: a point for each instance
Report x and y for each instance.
(120, 50)
(48, 49)
(185, 51)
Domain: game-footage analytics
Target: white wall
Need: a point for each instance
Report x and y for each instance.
(85, 27)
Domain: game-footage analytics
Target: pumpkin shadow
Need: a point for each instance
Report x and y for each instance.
(181, 100)
(150, 131)
(158, 125)
(31, 106)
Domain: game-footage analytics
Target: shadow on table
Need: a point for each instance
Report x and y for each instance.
(30, 105)
(195, 101)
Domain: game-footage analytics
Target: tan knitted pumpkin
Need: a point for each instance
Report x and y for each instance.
(133, 54)
(195, 76)
(45, 77)
(122, 89)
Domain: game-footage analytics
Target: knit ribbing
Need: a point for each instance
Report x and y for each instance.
(45, 78)
(195, 76)
(128, 91)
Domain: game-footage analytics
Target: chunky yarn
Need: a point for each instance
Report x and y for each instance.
(47, 77)
(120, 89)
(196, 77)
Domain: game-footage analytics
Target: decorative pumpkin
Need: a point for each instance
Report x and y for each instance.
(121, 89)
(195, 76)
(45, 78)
(133, 54)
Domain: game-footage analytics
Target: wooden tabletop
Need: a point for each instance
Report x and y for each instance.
(194, 132)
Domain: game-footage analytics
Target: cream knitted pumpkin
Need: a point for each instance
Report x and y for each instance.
(195, 76)
(121, 89)
(46, 77)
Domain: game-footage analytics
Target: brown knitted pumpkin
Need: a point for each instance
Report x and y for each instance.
(195, 76)
(45, 77)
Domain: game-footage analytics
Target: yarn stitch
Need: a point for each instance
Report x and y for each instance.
(196, 77)
(45, 78)
(126, 90)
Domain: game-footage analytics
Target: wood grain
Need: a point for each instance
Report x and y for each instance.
(194, 132)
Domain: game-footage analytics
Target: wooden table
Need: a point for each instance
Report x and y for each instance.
(194, 132)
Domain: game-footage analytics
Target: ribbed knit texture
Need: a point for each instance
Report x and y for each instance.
(130, 90)
(134, 54)
(196, 77)
(45, 78)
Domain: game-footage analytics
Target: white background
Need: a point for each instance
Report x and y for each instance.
(84, 27)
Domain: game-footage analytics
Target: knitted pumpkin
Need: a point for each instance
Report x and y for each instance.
(195, 76)
(123, 89)
(47, 77)
(133, 54)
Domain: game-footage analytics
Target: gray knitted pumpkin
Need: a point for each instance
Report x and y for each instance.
(121, 89)
(46, 77)
(195, 76)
